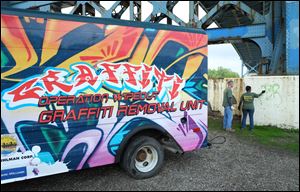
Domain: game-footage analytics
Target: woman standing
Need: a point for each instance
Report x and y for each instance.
(248, 106)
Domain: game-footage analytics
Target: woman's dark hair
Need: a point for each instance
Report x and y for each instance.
(248, 88)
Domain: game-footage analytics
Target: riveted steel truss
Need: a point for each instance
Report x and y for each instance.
(254, 28)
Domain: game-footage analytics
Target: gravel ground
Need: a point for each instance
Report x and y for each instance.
(235, 165)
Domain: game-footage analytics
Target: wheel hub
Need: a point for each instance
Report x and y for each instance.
(146, 159)
(141, 156)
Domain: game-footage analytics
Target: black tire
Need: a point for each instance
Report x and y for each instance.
(128, 161)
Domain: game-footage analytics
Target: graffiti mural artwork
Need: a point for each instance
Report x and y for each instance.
(72, 90)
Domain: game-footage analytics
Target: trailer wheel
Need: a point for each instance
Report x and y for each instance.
(143, 157)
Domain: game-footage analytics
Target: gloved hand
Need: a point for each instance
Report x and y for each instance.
(263, 91)
(232, 108)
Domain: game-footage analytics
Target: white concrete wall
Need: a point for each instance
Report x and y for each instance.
(215, 93)
(279, 106)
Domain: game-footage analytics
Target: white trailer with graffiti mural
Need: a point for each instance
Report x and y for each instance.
(80, 92)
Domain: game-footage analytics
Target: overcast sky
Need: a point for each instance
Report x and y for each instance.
(218, 55)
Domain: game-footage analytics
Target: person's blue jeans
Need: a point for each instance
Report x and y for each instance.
(245, 113)
(227, 121)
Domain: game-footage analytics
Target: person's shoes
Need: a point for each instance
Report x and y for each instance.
(251, 133)
(230, 130)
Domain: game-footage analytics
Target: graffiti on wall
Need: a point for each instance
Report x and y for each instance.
(69, 95)
(272, 93)
(272, 90)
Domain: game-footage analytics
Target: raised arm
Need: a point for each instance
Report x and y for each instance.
(258, 95)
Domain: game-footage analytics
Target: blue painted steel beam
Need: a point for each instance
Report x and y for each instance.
(30, 4)
(292, 37)
(217, 10)
(236, 33)
(275, 61)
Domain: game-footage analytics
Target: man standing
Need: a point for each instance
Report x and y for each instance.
(227, 104)
(248, 106)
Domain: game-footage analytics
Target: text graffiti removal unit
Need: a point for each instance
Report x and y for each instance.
(116, 76)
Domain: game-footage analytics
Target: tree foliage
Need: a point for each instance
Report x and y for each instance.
(222, 72)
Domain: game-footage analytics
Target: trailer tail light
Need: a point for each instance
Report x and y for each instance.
(196, 130)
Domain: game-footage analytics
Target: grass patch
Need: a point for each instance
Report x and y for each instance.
(269, 136)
